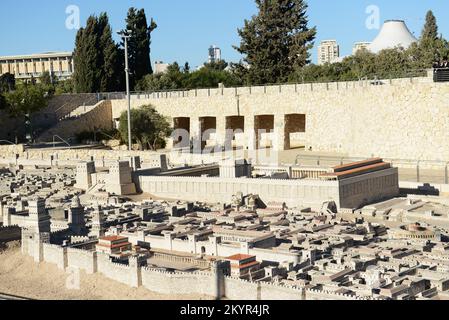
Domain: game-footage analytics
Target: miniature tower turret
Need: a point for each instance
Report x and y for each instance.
(77, 224)
(37, 229)
(97, 229)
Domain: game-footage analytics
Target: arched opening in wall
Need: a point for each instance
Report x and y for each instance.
(235, 128)
(203, 250)
(181, 138)
(294, 130)
(208, 129)
(264, 131)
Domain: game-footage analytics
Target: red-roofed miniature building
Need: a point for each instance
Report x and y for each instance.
(242, 264)
(113, 245)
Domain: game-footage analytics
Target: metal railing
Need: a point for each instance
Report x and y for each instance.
(64, 141)
(441, 75)
(7, 141)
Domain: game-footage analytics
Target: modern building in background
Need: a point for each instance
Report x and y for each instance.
(214, 54)
(360, 46)
(59, 64)
(160, 67)
(328, 52)
(394, 33)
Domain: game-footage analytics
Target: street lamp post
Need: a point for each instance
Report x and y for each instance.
(126, 35)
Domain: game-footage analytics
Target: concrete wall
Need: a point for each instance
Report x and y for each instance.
(405, 118)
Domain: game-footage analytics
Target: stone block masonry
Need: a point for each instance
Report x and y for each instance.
(99, 117)
(402, 119)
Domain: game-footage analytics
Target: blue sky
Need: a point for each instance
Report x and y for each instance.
(187, 28)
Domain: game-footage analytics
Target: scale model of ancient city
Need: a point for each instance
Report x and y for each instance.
(293, 191)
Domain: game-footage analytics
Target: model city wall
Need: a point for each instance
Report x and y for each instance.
(171, 283)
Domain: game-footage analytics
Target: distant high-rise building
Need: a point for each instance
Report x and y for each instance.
(214, 54)
(160, 67)
(359, 46)
(328, 52)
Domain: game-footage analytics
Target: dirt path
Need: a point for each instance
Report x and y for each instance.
(21, 276)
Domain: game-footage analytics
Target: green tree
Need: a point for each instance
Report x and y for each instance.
(186, 68)
(86, 58)
(110, 67)
(172, 79)
(45, 79)
(97, 57)
(210, 78)
(65, 86)
(431, 47)
(148, 128)
(139, 44)
(175, 78)
(26, 99)
(7, 82)
(276, 41)
(3, 102)
(430, 30)
(217, 65)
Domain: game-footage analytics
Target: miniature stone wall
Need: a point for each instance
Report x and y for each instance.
(82, 259)
(163, 282)
(178, 283)
(55, 254)
(237, 289)
(214, 189)
(118, 272)
(103, 158)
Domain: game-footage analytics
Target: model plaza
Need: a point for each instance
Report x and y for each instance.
(258, 180)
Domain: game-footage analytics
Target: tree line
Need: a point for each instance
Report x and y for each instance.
(275, 45)
(99, 61)
(388, 63)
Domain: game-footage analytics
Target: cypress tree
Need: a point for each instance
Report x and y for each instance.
(86, 58)
(430, 45)
(109, 68)
(97, 58)
(276, 41)
(139, 44)
(430, 30)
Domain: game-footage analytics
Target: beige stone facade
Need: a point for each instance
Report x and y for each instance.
(24, 67)
(403, 118)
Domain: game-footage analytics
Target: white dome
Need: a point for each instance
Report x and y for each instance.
(394, 33)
